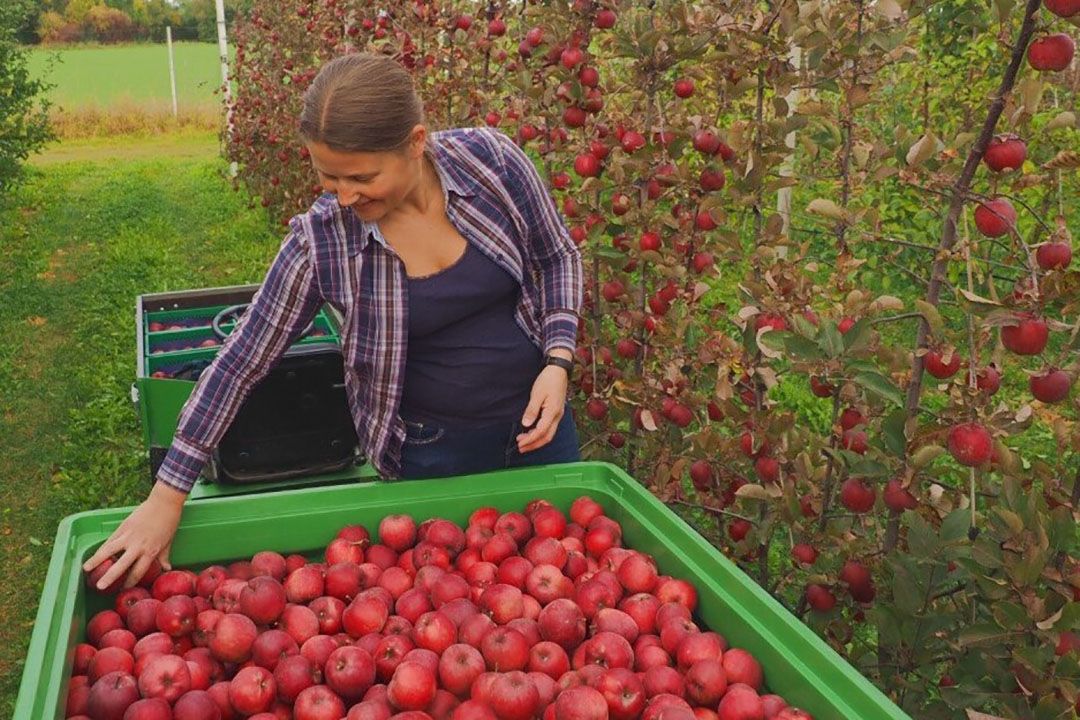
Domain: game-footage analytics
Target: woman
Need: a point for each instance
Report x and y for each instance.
(460, 291)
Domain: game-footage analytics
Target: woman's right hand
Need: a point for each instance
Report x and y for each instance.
(144, 536)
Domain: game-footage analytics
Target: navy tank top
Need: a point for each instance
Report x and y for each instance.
(468, 362)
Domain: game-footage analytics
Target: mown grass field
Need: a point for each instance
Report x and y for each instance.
(109, 74)
(91, 229)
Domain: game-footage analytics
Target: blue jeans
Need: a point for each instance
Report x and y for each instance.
(433, 450)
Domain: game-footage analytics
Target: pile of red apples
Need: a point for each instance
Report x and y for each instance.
(520, 615)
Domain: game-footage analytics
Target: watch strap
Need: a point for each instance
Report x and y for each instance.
(567, 365)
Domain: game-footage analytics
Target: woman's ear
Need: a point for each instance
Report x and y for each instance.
(418, 140)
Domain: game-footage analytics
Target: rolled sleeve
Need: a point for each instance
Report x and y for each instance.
(279, 312)
(549, 243)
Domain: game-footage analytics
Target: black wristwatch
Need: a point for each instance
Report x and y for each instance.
(567, 365)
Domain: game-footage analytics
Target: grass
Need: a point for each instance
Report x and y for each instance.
(102, 90)
(78, 242)
(105, 75)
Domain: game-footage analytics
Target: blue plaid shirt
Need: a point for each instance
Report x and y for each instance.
(496, 200)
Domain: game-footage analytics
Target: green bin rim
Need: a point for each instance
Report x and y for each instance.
(819, 672)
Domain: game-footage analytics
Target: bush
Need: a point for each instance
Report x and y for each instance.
(24, 121)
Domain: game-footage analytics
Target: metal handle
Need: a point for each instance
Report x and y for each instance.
(233, 313)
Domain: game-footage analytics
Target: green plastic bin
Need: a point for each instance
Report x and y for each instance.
(797, 664)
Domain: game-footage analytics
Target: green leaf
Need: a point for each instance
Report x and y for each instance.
(890, 624)
(1011, 616)
(893, 432)
(955, 525)
(609, 252)
(831, 341)
(1052, 708)
(1012, 521)
(922, 540)
(859, 465)
(980, 633)
(986, 553)
(801, 348)
(932, 316)
(1061, 120)
(1062, 528)
(1070, 617)
(906, 589)
(880, 386)
(773, 340)
(803, 326)
(858, 336)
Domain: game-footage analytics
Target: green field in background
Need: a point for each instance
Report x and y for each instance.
(111, 74)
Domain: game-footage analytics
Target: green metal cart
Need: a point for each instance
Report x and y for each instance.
(177, 339)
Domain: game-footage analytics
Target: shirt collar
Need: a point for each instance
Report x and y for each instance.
(453, 179)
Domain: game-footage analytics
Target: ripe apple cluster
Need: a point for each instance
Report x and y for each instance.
(518, 615)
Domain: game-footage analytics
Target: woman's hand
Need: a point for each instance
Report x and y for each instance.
(144, 536)
(548, 403)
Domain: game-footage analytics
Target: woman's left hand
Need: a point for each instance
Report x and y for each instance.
(548, 403)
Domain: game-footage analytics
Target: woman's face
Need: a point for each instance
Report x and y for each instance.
(373, 184)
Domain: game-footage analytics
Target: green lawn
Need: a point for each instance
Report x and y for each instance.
(139, 74)
(77, 244)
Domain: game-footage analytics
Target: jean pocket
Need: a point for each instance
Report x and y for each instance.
(422, 433)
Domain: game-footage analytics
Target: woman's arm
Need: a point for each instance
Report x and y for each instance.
(279, 312)
(559, 261)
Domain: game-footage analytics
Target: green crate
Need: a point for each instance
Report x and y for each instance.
(156, 340)
(158, 401)
(797, 663)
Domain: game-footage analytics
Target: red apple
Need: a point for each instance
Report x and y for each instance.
(623, 692)
(294, 674)
(988, 379)
(505, 649)
(514, 696)
(397, 532)
(741, 667)
(1054, 255)
(898, 498)
(684, 87)
(1051, 52)
(1051, 386)
(252, 690)
(970, 443)
(412, 687)
(562, 622)
(740, 702)
(995, 218)
(318, 702)
(580, 703)
(111, 695)
(857, 496)
(349, 672)
(195, 705)
(304, 584)
(820, 598)
(1006, 152)
(941, 367)
(1027, 336)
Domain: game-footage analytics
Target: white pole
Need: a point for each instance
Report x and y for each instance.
(783, 197)
(223, 53)
(172, 68)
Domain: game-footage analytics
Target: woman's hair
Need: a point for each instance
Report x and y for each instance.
(361, 102)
